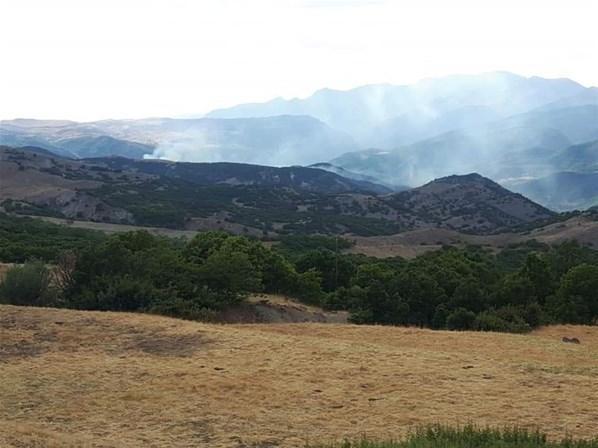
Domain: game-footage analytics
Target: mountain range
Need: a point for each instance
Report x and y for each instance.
(536, 136)
(253, 199)
(279, 140)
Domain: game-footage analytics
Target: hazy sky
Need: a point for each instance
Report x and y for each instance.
(92, 59)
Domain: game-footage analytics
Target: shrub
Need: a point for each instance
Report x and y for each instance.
(460, 319)
(439, 436)
(28, 285)
(200, 308)
(119, 293)
(506, 319)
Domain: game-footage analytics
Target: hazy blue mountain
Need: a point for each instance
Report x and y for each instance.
(587, 97)
(507, 127)
(561, 191)
(578, 123)
(532, 144)
(103, 145)
(494, 152)
(583, 157)
(281, 140)
(387, 116)
(571, 181)
(356, 176)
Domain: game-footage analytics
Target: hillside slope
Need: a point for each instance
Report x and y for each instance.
(94, 379)
(567, 190)
(469, 203)
(250, 198)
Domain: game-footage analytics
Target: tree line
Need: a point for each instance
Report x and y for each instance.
(469, 288)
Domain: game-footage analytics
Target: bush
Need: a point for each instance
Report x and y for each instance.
(120, 293)
(460, 319)
(201, 308)
(28, 285)
(493, 321)
(439, 436)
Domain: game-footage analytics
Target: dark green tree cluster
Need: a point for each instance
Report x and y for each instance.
(137, 271)
(463, 289)
(23, 239)
(467, 290)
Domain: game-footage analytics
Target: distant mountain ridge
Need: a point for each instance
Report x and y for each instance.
(519, 146)
(511, 128)
(236, 174)
(278, 141)
(404, 114)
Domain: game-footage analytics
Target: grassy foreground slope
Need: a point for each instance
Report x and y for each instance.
(75, 378)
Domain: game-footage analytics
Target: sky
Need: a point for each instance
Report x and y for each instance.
(95, 59)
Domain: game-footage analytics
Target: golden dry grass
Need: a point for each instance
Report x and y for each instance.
(71, 378)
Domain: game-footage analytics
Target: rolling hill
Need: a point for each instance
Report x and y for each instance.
(251, 199)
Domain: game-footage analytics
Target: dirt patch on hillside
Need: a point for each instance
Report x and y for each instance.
(270, 308)
(161, 344)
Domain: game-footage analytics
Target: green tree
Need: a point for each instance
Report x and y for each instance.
(576, 300)
(422, 294)
(335, 270)
(470, 295)
(460, 319)
(538, 272)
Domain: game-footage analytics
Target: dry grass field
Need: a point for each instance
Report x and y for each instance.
(70, 378)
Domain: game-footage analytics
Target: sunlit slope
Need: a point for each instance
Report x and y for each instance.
(71, 378)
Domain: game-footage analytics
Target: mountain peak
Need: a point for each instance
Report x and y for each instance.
(470, 203)
(462, 178)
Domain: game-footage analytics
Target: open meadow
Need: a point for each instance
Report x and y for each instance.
(101, 379)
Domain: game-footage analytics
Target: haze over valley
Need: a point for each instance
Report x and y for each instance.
(522, 132)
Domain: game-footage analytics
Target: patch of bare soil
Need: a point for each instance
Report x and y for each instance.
(270, 308)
